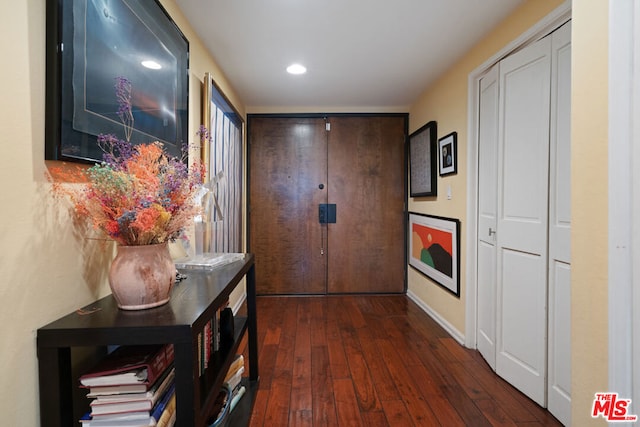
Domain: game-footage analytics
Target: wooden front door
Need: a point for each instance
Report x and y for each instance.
(287, 167)
(354, 162)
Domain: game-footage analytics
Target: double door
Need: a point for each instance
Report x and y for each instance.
(326, 203)
(524, 220)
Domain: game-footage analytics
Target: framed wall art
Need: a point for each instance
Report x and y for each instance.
(448, 154)
(222, 154)
(89, 44)
(423, 161)
(434, 249)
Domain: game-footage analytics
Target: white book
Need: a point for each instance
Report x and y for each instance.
(235, 379)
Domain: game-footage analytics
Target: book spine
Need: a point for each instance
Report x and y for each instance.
(159, 363)
(162, 404)
(168, 413)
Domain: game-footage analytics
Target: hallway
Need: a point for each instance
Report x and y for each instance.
(374, 361)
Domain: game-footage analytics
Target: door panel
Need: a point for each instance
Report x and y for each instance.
(559, 393)
(366, 182)
(559, 377)
(487, 215)
(363, 252)
(521, 359)
(287, 163)
(523, 165)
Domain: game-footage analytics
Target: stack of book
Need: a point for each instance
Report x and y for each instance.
(133, 386)
(232, 391)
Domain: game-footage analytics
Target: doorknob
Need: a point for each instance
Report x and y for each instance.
(321, 186)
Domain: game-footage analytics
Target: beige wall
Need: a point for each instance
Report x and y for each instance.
(47, 269)
(589, 206)
(446, 102)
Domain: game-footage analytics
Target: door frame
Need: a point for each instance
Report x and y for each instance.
(326, 116)
(549, 23)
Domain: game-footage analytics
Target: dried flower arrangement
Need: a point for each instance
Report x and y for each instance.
(138, 194)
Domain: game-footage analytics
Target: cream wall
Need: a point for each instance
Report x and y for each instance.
(446, 102)
(47, 269)
(589, 206)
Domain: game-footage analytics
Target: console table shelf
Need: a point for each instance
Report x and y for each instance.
(193, 303)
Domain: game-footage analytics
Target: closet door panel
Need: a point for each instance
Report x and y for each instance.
(559, 377)
(487, 215)
(523, 165)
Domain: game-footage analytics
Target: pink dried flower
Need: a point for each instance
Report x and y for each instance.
(139, 194)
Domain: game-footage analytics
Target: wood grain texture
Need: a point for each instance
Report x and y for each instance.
(361, 165)
(374, 361)
(367, 174)
(287, 163)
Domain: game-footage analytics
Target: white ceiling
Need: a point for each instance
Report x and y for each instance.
(359, 53)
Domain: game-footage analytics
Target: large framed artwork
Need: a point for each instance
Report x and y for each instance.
(423, 161)
(91, 43)
(434, 249)
(222, 154)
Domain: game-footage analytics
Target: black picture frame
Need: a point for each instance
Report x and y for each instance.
(423, 161)
(448, 154)
(89, 44)
(434, 249)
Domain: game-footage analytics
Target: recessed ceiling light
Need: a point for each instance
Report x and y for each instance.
(296, 69)
(151, 64)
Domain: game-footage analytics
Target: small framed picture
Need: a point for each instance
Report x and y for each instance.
(448, 154)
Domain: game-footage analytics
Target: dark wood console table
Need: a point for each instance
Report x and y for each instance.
(194, 301)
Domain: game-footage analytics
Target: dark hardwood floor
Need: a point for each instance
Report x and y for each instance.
(374, 361)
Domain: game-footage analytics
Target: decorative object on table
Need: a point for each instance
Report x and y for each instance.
(434, 249)
(208, 261)
(144, 43)
(142, 276)
(423, 161)
(448, 154)
(208, 221)
(141, 197)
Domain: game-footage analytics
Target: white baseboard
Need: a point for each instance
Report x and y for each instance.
(451, 330)
(239, 303)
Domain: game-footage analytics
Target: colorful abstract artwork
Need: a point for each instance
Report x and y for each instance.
(433, 249)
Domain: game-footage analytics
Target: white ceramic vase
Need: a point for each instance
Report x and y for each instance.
(142, 276)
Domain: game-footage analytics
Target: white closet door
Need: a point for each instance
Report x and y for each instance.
(523, 177)
(487, 215)
(559, 375)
